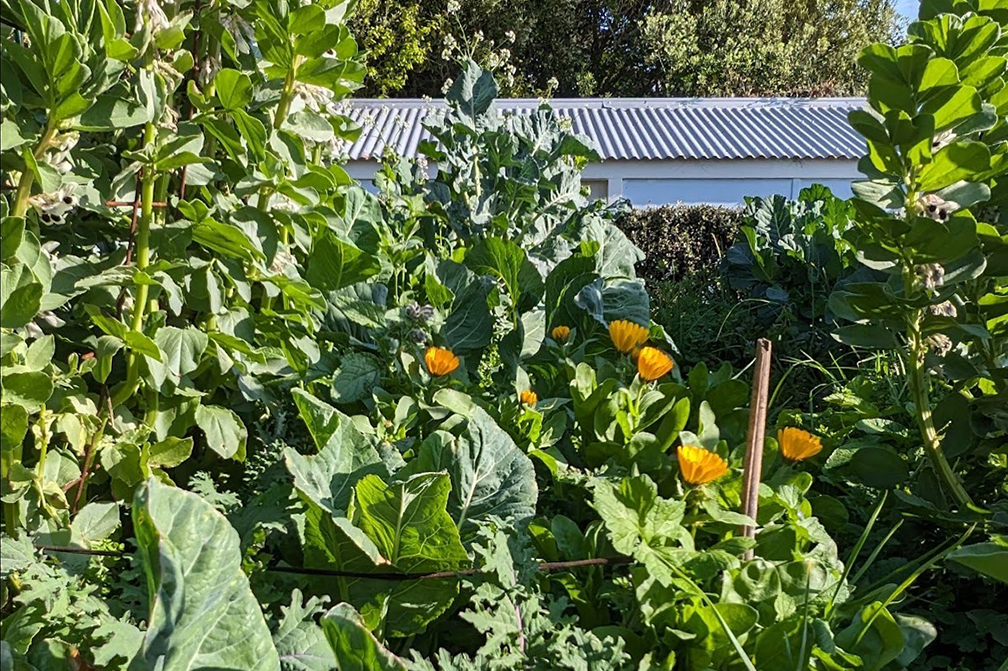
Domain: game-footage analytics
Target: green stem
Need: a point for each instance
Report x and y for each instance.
(129, 387)
(917, 374)
(143, 246)
(10, 519)
(43, 442)
(24, 186)
(922, 404)
(287, 95)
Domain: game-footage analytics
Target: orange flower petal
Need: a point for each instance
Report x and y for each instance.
(797, 444)
(652, 363)
(440, 361)
(560, 333)
(626, 335)
(699, 466)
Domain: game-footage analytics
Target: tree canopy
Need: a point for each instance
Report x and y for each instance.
(625, 47)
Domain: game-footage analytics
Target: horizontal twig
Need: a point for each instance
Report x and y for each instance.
(545, 567)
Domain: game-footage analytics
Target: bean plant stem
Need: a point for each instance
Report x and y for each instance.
(282, 109)
(43, 441)
(148, 181)
(922, 405)
(917, 373)
(24, 186)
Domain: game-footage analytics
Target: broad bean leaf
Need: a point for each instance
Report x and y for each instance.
(989, 559)
(224, 431)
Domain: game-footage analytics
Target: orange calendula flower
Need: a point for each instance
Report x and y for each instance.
(652, 363)
(626, 335)
(440, 361)
(529, 398)
(699, 466)
(797, 444)
(560, 333)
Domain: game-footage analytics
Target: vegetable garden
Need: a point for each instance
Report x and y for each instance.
(255, 417)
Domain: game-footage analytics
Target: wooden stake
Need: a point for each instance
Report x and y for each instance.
(754, 443)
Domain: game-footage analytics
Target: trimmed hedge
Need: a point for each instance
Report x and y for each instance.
(681, 240)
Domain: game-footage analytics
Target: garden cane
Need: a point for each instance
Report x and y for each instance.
(754, 441)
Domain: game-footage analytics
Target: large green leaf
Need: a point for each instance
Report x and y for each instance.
(224, 431)
(958, 161)
(469, 326)
(13, 427)
(615, 299)
(345, 455)
(29, 390)
(989, 559)
(616, 255)
(356, 377)
(234, 88)
(181, 351)
(870, 465)
(203, 614)
(641, 523)
(490, 476)
(409, 522)
(20, 296)
(334, 543)
(299, 641)
(473, 91)
(355, 647)
(334, 264)
(500, 259)
(873, 636)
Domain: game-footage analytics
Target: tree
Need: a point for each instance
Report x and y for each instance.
(626, 47)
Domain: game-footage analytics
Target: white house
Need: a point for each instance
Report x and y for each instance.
(666, 150)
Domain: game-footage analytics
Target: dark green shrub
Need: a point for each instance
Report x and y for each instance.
(681, 240)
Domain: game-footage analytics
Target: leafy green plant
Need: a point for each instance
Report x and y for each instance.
(793, 253)
(935, 135)
(432, 427)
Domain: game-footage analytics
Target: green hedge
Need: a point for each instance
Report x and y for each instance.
(681, 240)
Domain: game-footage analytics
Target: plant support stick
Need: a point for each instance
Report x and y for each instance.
(754, 442)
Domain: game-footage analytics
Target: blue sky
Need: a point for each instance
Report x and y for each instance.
(907, 8)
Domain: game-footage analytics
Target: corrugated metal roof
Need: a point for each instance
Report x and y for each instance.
(648, 128)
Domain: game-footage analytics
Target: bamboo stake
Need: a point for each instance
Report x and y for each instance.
(754, 442)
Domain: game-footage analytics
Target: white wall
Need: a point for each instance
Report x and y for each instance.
(718, 182)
